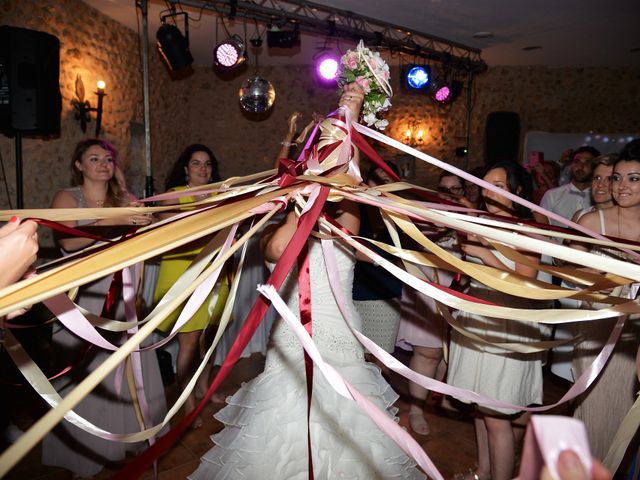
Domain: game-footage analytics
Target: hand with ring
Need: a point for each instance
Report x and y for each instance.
(352, 98)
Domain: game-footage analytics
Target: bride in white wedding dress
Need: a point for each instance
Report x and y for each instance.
(266, 431)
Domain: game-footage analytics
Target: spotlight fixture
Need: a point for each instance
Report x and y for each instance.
(443, 92)
(327, 68)
(277, 38)
(229, 53)
(172, 45)
(416, 77)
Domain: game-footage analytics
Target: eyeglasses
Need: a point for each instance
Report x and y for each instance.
(454, 190)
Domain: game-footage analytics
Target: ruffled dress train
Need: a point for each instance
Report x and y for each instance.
(266, 429)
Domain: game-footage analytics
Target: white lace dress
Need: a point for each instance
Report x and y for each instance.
(507, 376)
(265, 434)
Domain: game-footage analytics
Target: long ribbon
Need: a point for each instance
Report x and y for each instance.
(580, 385)
(387, 424)
(12, 298)
(481, 183)
(139, 465)
(304, 303)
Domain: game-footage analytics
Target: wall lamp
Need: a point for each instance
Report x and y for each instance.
(414, 135)
(83, 108)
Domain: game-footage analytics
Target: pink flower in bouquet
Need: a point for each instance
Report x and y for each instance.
(364, 83)
(350, 60)
(378, 63)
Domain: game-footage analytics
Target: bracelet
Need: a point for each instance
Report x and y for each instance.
(288, 144)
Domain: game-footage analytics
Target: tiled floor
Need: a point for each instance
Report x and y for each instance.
(451, 443)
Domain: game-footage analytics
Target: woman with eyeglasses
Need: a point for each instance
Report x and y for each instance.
(450, 184)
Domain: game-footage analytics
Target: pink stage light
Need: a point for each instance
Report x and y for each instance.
(229, 54)
(442, 95)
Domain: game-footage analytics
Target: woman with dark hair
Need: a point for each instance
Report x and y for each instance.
(185, 170)
(618, 377)
(501, 374)
(195, 167)
(97, 182)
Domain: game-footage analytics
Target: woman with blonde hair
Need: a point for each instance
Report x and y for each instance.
(95, 185)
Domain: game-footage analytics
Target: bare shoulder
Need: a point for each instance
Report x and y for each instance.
(590, 220)
(63, 199)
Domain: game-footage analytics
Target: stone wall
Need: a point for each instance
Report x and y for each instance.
(204, 108)
(96, 48)
(546, 99)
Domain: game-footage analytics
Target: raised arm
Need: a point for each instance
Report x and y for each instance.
(287, 141)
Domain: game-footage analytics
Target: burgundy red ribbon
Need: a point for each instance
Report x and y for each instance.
(304, 304)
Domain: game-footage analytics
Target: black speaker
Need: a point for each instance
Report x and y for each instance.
(503, 137)
(30, 99)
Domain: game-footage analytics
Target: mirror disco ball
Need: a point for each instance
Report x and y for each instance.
(257, 95)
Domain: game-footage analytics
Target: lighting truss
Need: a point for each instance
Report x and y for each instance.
(328, 21)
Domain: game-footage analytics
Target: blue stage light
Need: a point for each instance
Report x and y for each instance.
(417, 77)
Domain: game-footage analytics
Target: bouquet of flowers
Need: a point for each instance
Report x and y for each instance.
(371, 72)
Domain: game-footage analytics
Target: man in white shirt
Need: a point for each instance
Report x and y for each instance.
(566, 200)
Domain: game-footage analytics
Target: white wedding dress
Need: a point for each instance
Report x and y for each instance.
(265, 434)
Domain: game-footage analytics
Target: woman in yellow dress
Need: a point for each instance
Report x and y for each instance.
(195, 167)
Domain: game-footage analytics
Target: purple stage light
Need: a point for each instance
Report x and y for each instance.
(328, 68)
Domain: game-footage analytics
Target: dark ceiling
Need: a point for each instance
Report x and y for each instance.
(560, 33)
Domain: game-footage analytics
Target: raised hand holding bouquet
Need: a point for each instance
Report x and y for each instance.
(371, 72)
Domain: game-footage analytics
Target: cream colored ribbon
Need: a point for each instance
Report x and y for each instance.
(16, 451)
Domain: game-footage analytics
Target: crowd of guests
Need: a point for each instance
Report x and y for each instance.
(602, 193)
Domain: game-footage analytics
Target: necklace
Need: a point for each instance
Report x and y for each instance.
(97, 203)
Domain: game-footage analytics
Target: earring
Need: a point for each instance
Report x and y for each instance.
(186, 178)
